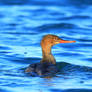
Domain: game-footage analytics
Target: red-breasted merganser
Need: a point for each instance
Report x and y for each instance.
(48, 63)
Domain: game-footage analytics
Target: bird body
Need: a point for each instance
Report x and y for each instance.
(48, 63)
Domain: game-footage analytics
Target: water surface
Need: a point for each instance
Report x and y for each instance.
(23, 23)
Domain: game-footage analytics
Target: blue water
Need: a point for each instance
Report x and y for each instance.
(23, 23)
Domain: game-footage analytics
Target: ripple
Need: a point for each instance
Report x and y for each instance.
(4, 48)
(88, 59)
(4, 90)
(22, 60)
(78, 17)
(20, 33)
(72, 90)
(80, 45)
(85, 40)
(57, 26)
(71, 54)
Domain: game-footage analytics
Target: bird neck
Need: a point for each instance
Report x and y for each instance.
(47, 55)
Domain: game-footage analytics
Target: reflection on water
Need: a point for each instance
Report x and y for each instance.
(22, 25)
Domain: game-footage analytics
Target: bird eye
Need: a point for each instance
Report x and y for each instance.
(55, 38)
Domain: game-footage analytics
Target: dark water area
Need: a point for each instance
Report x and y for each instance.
(23, 23)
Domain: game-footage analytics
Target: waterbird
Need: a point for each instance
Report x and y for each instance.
(47, 65)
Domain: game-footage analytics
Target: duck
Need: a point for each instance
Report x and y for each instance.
(47, 65)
